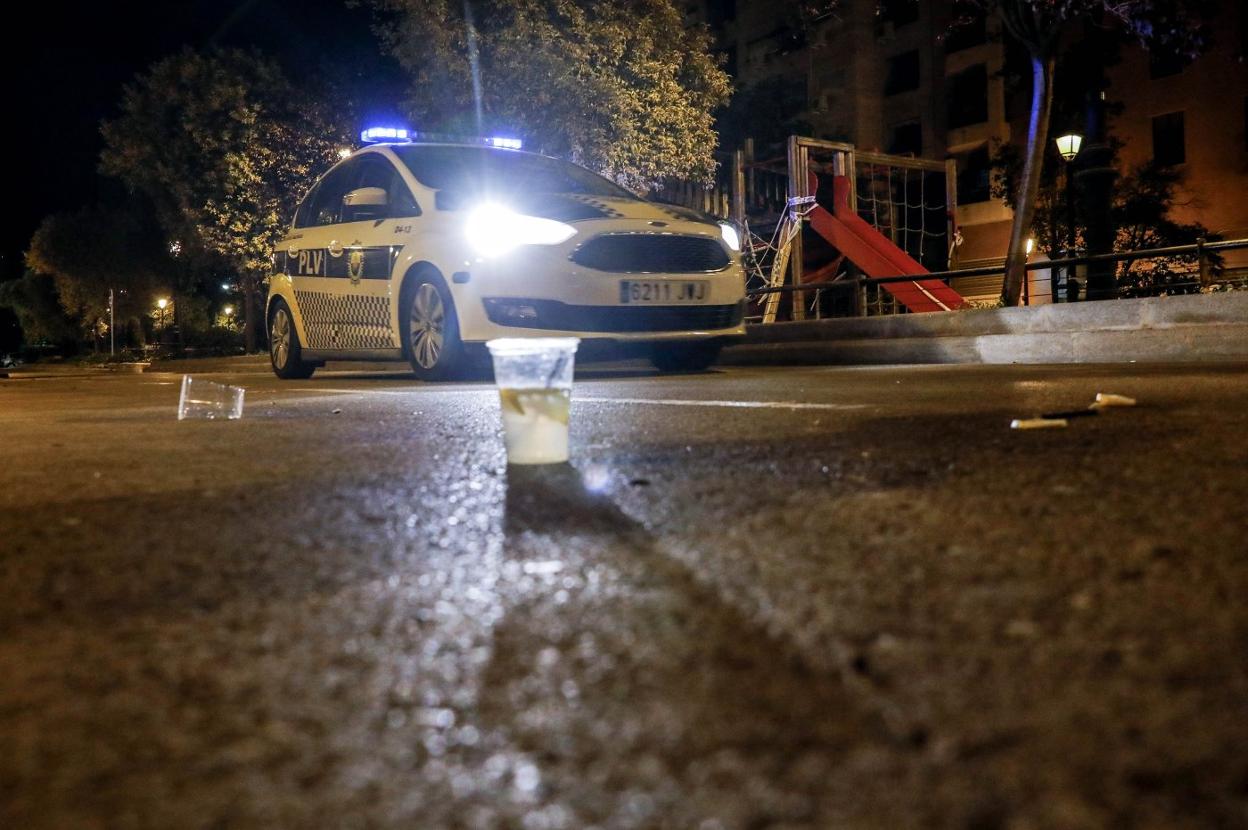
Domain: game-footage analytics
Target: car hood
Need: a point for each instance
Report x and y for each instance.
(576, 207)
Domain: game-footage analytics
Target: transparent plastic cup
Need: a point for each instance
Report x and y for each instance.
(208, 400)
(534, 378)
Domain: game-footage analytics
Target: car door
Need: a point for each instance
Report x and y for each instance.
(341, 253)
(305, 255)
(376, 218)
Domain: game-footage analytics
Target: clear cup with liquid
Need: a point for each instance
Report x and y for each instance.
(534, 378)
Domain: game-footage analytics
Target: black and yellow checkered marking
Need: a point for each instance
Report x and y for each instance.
(345, 321)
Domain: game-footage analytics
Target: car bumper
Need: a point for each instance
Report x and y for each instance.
(545, 296)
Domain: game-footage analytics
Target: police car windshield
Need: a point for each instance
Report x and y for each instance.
(488, 170)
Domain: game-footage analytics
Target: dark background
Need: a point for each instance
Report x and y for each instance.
(66, 64)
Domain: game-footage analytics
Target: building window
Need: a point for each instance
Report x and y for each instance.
(1169, 146)
(903, 73)
(974, 176)
(899, 12)
(907, 139)
(969, 28)
(968, 97)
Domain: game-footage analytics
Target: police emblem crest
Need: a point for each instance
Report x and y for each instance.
(355, 266)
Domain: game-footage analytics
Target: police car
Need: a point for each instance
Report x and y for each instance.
(422, 251)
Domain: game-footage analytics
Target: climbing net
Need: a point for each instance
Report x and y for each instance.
(909, 206)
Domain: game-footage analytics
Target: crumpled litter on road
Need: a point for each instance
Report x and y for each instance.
(1059, 420)
(1105, 400)
(1038, 423)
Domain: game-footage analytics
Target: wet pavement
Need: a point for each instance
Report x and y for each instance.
(764, 598)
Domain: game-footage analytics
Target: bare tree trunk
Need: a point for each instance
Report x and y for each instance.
(1025, 198)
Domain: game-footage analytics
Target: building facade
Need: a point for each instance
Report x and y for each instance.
(914, 76)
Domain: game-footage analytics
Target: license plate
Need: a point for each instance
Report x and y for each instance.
(663, 292)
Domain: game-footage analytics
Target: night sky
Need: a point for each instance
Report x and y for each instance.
(67, 63)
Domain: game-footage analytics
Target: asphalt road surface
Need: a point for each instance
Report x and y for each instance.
(765, 598)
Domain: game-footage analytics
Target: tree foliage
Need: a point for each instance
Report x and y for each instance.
(34, 300)
(768, 111)
(89, 252)
(623, 88)
(1142, 217)
(223, 145)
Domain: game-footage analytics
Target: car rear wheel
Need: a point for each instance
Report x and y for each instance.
(431, 331)
(695, 356)
(285, 351)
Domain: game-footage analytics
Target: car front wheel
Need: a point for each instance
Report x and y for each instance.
(285, 351)
(431, 331)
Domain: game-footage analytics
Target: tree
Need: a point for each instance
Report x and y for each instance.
(623, 88)
(93, 251)
(34, 301)
(1039, 25)
(1142, 218)
(768, 111)
(223, 146)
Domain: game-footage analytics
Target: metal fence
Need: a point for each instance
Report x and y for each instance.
(866, 296)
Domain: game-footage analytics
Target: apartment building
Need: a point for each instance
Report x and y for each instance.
(897, 76)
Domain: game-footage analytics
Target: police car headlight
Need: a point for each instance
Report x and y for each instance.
(493, 230)
(730, 235)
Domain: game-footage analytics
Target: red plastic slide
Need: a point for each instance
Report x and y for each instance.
(876, 255)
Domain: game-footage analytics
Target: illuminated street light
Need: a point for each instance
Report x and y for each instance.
(1068, 148)
(228, 311)
(1068, 145)
(162, 303)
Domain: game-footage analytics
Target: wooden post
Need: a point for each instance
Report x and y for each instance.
(951, 210)
(738, 189)
(751, 186)
(798, 171)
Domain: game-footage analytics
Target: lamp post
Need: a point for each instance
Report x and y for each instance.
(161, 305)
(1068, 148)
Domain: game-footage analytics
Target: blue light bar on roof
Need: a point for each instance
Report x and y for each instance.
(504, 143)
(373, 135)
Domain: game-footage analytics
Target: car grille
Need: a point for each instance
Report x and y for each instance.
(651, 253)
(554, 315)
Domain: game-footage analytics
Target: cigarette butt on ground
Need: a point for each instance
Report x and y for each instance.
(1104, 399)
(1038, 423)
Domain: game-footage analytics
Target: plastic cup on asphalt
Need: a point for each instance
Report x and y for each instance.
(207, 400)
(534, 378)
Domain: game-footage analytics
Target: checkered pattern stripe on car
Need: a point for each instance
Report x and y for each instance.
(345, 321)
(606, 210)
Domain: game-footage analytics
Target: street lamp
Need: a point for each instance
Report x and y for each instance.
(1068, 148)
(1068, 145)
(161, 305)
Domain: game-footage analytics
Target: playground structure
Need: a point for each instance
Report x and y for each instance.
(827, 212)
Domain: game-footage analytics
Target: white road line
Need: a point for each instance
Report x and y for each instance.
(792, 405)
(729, 404)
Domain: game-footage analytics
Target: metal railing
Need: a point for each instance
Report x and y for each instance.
(867, 297)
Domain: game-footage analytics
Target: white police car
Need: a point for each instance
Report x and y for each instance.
(418, 251)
